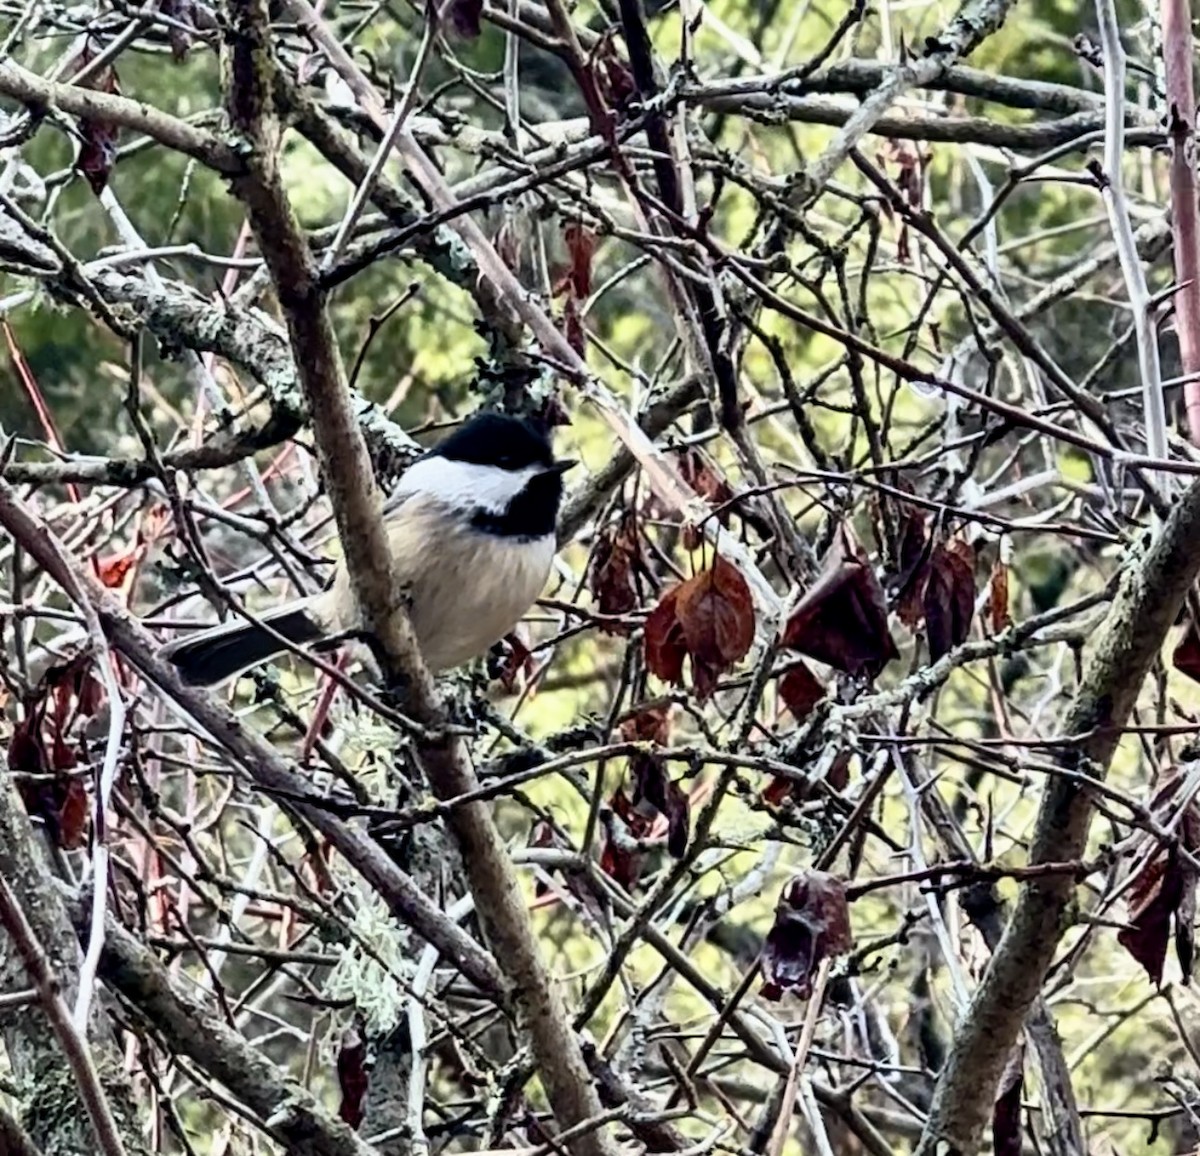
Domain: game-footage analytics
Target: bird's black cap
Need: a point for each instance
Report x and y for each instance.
(496, 439)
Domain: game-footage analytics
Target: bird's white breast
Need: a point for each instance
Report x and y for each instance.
(466, 589)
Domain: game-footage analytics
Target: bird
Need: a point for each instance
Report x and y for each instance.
(471, 530)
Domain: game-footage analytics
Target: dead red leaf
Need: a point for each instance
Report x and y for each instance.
(581, 246)
(652, 785)
(518, 663)
(573, 329)
(1163, 890)
(26, 753)
(664, 641)
(74, 814)
(998, 598)
(113, 569)
(653, 789)
(353, 1078)
(98, 148)
(800, 690)
(842, 618)
(778, 791)
(709, 619)
(1186, 658)
(466, 17)
(41, 746)
(614, 564)
(651, 724)
(812, 923)
(949, 597)
(1006, 1110)
(613, 76)
(912, 564)
(704, 478)
(781, 788)
(623, 824)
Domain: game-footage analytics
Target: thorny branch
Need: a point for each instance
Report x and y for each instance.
(775, 824)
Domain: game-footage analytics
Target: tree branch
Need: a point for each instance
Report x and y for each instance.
(254, 753)
(88, 104)
(357, 509)
(1145, 608)
(293, 1116)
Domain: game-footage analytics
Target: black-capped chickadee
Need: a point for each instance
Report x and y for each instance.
(471, 531)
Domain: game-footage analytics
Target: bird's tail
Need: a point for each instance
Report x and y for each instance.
(212, 656)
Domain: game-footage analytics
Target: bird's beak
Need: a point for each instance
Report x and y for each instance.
(561, 467)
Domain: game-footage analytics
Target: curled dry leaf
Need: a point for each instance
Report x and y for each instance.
(709, 619)
(652, 785)
(113, 570)
(912, 565)
(613, 76)
(653, 789)
(1006, 1110)
(704, 478)
(581, 247)
(614, 564)
(949, 597)
(624, 824)
(812, 923)
(910, 520)
(465, 17)
(650, 724)
(572, 326)
(352, 1077)
(98, 138)
(41, 746)
(998, 611)
(1163, 890)
(780, 789)
(842, 618)
(800, 690)
(1186, 658)
(664, 641)
(517, 663)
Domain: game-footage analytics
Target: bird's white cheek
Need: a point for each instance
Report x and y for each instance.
(465, 485)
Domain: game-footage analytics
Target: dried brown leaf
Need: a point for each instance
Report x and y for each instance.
(1164, 891)
(949, 597)
(652, 785)
(998, 598)
(664, 641)
(98, 147)
(466, 17)
(623, 824)
(651, 724)
(709, 619)
(1186, 658)
(812, 923)
(611, 577)
(1006, 1110)
(842, 618)
(352, 1077)
(581, 246)
(800, 690)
